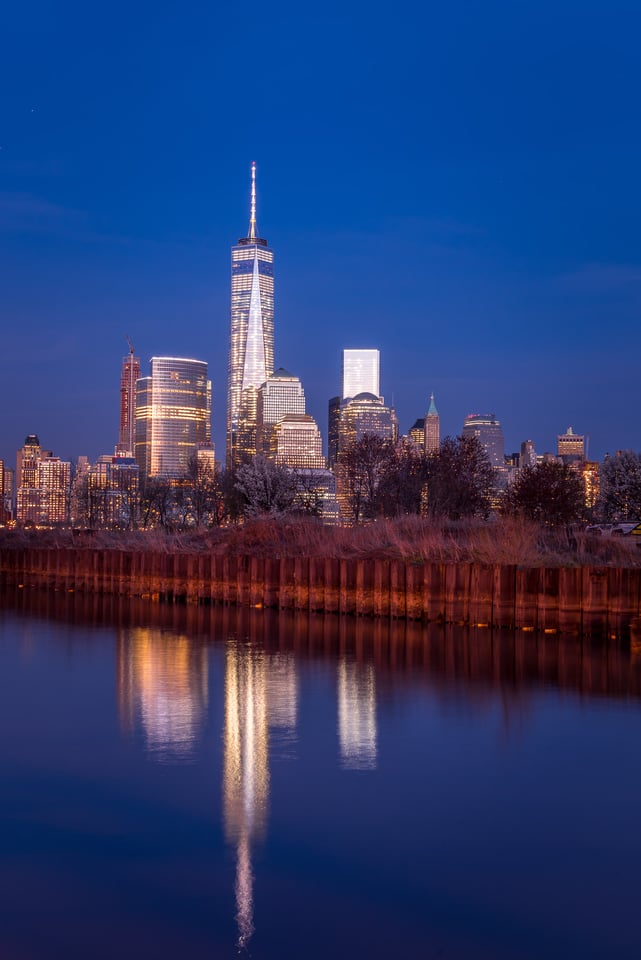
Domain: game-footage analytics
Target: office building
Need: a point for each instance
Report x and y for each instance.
(363, 415)
(527, 456)
(590, 471)
(432, 428)
(251, 336)
(361, 372)
(43, 486)
(417, 433)
(570, 447)
(280, 395)
(127, 432)
(79, 500)
(112, 493)
(10, 492)
(297, 442)
(488, 431)
(27, 459)
(4, 516)
(173, 416)
(333, 420)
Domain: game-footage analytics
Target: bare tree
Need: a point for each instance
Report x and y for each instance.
(549, 493)
(361, 467)
(156, 503)
(265, 489)
(460, 479)
(402, 485)
(206, 491)
(620, 494)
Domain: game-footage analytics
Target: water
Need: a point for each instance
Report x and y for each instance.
(182, 782)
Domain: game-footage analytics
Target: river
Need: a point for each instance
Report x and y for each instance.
(197, 782)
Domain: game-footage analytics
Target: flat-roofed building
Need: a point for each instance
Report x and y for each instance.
(280, 395)
(173, 416)
(361, 372)
(297, 442)
(112, 487)
(570, 446)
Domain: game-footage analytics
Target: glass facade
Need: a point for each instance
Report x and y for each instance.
(173, 416)
(361, 370)
(364, 414)
(296, 442)
(487, 429)
(417, 433)
(280, 395)
(251, 337)
(112, 493)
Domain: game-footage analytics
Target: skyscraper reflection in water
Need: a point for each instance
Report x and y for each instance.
(357, 715)
(260, 691)
(162, 681)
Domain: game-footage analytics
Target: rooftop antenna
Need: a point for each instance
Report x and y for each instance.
(252, 213)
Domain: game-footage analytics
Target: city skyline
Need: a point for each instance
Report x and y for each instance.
(470, 211)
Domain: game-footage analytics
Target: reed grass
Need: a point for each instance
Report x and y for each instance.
(503, 541)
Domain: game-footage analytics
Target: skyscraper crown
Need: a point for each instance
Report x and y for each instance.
(252, 232)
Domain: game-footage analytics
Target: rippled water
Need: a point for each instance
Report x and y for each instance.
(182, 782)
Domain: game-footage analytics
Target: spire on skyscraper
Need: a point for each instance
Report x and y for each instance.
(251, 336)
(432, 428)
(252, 210)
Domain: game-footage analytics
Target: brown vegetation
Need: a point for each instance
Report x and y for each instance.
(504, 541)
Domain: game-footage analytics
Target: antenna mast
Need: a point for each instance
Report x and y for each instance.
(252, 213)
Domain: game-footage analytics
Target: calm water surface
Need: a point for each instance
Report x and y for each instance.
(197, 783)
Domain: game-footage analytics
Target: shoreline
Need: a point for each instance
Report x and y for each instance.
(600, 601)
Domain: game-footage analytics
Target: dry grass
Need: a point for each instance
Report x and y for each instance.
(505, 541)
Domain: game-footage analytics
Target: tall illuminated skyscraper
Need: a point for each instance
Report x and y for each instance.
(173, 416)
(43, 485)
(251, 335)
(361, 372)
(130, 373)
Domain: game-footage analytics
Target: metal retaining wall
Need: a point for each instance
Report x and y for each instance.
(590, 600)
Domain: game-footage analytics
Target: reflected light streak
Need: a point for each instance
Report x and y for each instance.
(245, 771)
(357, 715)
(261, 691)
(282, 700)
(162, 678)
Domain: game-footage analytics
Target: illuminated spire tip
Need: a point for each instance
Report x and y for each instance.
(252, 213)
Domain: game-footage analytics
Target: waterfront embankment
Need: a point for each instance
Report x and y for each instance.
(592, 600)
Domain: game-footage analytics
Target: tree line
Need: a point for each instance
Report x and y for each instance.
(376, 479)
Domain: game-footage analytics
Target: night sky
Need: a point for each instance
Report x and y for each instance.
(455, 183)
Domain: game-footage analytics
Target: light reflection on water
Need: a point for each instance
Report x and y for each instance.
(229, 694)
(357, 715)
(162, 680)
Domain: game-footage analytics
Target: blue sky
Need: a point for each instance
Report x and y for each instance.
(456, 184)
